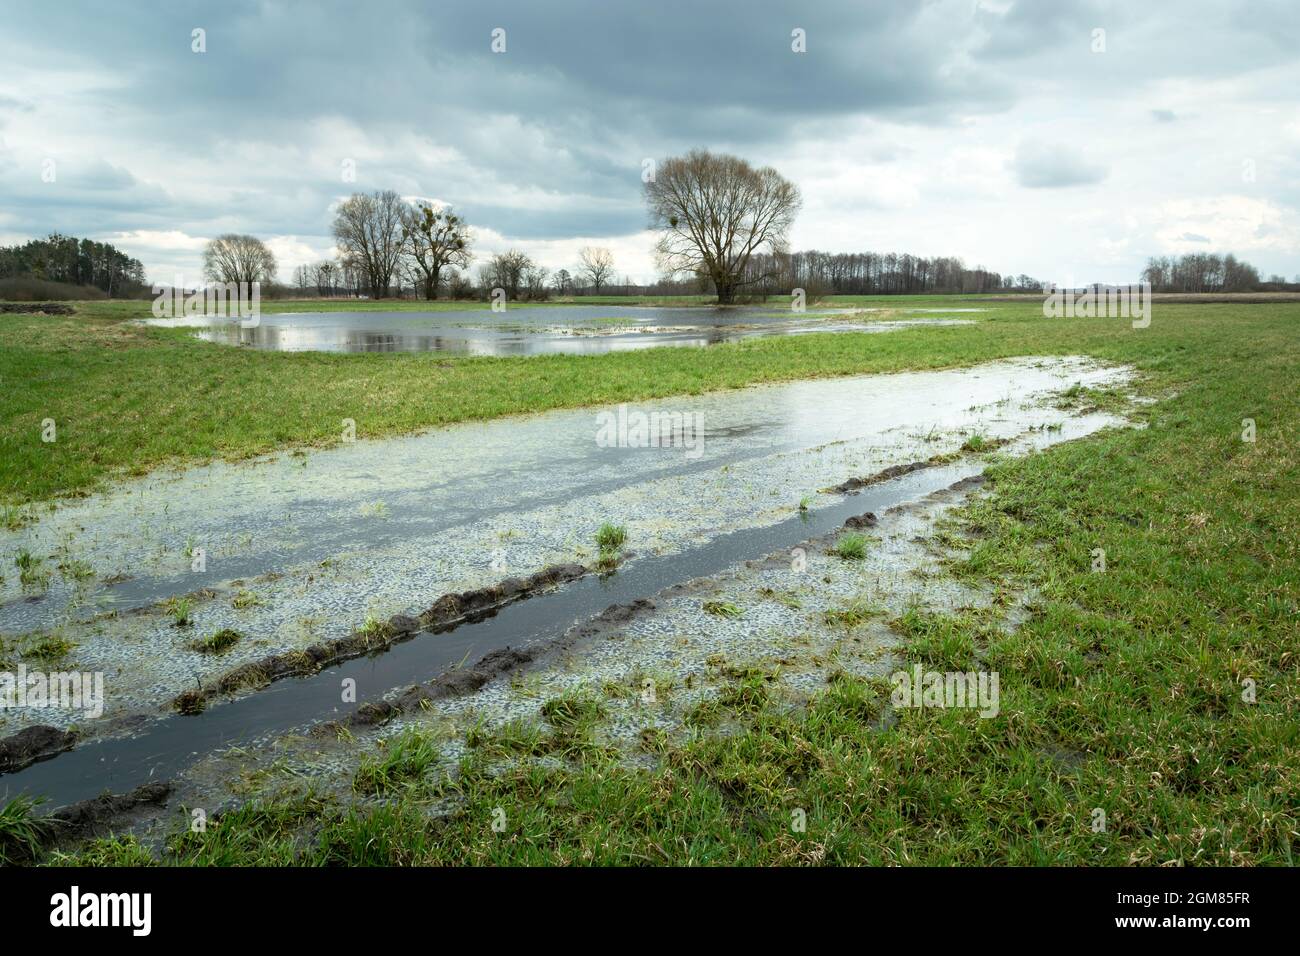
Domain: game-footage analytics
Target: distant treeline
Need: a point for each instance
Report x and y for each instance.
(1210, 272)
(876, 273)
(74, 262)
(847, 273)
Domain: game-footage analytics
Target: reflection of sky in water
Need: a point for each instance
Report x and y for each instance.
(511, 474)
(572, 330)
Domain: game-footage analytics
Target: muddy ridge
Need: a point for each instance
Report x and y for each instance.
(449, 611)
(36, 308)
(99, 815)
(854, 485)
(38, 742)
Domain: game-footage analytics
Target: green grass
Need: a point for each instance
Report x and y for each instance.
(32, 574)
(244, 600)
(851, 546)
(572, 709)
(21, 831)
(217, 643)
(611, 537)
(853, 614)
(374, 630)
(1120, 690)
(46, 648)
(180, 610)
(402, 760)
(721, 609)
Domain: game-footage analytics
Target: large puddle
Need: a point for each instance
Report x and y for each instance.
(538, 330)
(301, 549)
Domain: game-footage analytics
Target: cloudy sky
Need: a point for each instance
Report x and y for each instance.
(1067, 139)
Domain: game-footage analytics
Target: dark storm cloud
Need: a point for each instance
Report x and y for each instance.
(546, 140)
(597, 86)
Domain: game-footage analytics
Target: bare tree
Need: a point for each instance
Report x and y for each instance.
(535, 283)
(432, 239)
(715, 212)
(597, 264)
(368, 231)
(561, 281)
(459, 285)
(238, 258)
(326, 276)
(506, 270)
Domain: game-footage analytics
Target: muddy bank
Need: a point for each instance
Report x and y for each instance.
(449, 611)
(505, 660)
(36, 308)
(102, 815)
(31, 744)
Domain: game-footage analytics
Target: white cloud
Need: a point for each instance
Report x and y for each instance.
(1235, 224)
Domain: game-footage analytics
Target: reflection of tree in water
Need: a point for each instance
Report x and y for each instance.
(374, 342)
(552, 331)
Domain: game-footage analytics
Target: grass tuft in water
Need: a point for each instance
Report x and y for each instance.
(218, 643)
(851, 547)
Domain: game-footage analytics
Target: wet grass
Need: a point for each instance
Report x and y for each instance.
(610, 539)
(721, 609)
(374, 631)
(181, 611)
(46, 648)
(853, 614)
(218, 642)
(851, 547)
(21, 831)
(32, 573)
(1162, 690)
(401, 761)
(244, 600)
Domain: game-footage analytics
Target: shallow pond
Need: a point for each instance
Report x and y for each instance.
(535, 330)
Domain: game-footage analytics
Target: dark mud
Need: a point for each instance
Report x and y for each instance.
(449, 611)
(36, 308)
(31, 744)
(854, 485)
(103, 814)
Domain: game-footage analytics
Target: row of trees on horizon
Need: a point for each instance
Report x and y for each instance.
(58, 260)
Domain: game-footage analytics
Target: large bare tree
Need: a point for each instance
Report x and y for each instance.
(432, 239)
(597, 264)
(368, 232)
(237, 258)
(715, 212)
